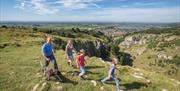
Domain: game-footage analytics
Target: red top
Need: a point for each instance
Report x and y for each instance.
(81, 60)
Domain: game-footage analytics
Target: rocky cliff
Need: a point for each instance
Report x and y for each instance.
(90, 46)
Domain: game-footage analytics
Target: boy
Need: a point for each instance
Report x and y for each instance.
(80, 61)
(111, 74)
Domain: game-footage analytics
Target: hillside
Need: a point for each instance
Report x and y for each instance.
(155, 50)
(20, 70)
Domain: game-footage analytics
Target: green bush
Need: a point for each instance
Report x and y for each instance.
(152, 44)
(115, 49)
(119, 40)
(4, 26)
(176, 61)
(35, 29)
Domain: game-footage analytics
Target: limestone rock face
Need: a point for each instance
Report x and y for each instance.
(90, 46)
(171, 38)
(163, 55)
(140, 39)
(140, 51)
(131, 40)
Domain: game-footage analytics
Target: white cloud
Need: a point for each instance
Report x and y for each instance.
(132, 15)
(142, 4)
(78, 4)
(37, 6)
(44, 7)
(124, 14)
(146, 4)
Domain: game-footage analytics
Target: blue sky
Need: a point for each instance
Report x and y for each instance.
(91, 10)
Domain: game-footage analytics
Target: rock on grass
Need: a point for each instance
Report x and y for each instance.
(102, 88)
(35, 87)
(59, 88)
(94, 82)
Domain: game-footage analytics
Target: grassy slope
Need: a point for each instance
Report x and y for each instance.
(149, 56)
(20, 70)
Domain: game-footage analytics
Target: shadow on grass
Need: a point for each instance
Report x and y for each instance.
(93, 67)
(134, 85)
(128, 86)
(66, 80)
(76, 72)
(89, 72)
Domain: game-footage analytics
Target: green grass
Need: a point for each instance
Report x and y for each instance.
(20, 70)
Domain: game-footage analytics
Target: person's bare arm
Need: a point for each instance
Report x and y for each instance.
(44, 55)
(117, 69)
(53, 48)
(77, 63)
(74, 48)
(66, 52)
(54, 51)
(85, 61)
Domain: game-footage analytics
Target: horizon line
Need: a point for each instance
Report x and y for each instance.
(84, 22)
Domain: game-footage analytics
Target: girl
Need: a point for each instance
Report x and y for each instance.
(81, 63)
(111, 74)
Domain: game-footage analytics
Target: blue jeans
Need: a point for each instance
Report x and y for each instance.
(53, 60)
(115, 79)
(82, 70)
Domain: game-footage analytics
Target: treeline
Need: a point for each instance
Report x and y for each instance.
(172, 30)
(72, 33)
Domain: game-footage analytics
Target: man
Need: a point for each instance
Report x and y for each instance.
(48, 53)
(69, 53)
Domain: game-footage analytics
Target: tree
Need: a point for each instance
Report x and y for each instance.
(35, 29)
(4, 26)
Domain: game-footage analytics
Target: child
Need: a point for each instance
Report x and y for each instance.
(111, 74)
(81, 63)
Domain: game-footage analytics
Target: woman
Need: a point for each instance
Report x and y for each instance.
(69, 53)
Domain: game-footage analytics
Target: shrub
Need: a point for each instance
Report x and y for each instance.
(35, 29)
(119, 40)
(4, 26)
(115, 49)
(152, 44)
(176, 61)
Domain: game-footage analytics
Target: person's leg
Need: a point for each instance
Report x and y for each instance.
(117, 82)
(46, 63)
(45, 67)
(71, 60)
(68, 60)
(56, 70)
(53, 59)
(104, 80)
(82, 71)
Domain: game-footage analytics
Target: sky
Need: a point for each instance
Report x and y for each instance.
(163, 11)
